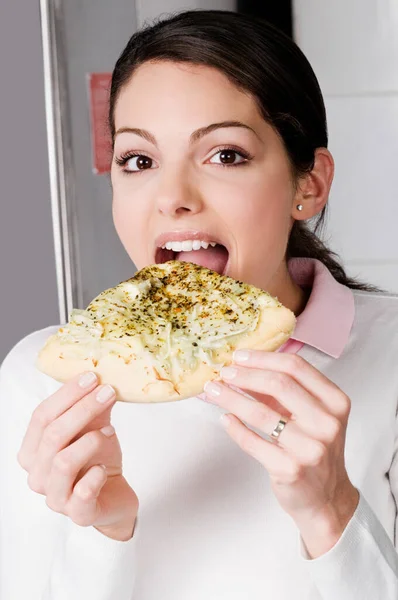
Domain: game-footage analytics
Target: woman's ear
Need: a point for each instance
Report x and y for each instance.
(314, 187)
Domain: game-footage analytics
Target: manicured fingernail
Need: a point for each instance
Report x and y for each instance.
(212, 388)
(105, 394)
(87, 379)
(108, 430)
(241, 355)
(228, 372)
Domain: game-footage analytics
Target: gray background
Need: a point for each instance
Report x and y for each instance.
(28, 290)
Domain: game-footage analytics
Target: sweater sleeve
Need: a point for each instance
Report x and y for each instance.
(89, 566)
(43, 554)
(363, 564)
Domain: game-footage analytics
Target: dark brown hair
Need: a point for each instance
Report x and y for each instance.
(261, 60)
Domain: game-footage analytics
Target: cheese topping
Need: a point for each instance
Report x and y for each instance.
(177, 312)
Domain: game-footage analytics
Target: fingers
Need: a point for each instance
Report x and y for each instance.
(310, 414)
(49, 410)
(316, 384)
(283, 468)
(263, 418)
(66, 467)
(82, 505)
(89, 487)
(60, 432)
(274, 458)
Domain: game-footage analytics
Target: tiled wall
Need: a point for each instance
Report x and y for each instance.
(353, 48)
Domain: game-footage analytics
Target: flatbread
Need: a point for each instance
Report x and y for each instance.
(160, 335)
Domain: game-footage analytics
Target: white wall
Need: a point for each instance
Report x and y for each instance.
(353, 47)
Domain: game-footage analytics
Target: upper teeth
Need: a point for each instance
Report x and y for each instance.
(188, 245)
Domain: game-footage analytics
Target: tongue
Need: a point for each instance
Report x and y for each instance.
(214, 258)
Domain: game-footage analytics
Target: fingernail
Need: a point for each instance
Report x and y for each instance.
(228, 372)
(108, 430)
(105, 394)
(87, 379)
(212, 388)
(241, 355)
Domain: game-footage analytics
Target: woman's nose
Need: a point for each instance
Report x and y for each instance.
(177, 197)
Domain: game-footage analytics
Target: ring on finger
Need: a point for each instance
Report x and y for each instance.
(279, 428)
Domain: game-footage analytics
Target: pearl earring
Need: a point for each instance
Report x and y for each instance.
(299, 207)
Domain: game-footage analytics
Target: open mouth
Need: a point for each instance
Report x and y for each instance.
(211, 255)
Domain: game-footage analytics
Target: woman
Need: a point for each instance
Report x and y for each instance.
(219, 134)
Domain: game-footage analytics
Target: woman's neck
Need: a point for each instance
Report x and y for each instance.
(288, 292)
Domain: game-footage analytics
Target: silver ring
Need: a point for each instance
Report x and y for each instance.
(279, 428)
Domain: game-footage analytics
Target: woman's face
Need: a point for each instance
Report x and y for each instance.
(231, 185)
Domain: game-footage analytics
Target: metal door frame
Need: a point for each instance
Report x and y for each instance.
(61, 173)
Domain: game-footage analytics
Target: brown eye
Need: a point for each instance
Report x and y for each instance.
(228, 157)
(142, 162)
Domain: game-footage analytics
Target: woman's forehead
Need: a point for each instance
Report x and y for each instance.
(199, 94)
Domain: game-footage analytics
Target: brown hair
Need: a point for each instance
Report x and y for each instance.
(261, 60)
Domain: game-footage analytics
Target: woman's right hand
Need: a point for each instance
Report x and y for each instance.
(68, 438)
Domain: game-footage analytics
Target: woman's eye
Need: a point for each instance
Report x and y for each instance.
(138, 162)
(133, 163)
(228, 156)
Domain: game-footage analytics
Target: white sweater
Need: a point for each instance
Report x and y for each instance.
(209, 526)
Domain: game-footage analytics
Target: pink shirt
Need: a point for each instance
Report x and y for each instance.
(328, 317)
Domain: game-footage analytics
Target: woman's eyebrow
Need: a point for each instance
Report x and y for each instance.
(195, 136)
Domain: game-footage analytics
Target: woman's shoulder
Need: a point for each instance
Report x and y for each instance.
(376, 315)
(20, 379)
(372, 303)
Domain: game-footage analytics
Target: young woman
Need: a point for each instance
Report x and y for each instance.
(219, 135)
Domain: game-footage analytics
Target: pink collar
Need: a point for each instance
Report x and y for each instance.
(328, 317)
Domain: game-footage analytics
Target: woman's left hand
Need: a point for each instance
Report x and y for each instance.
(306, 465)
